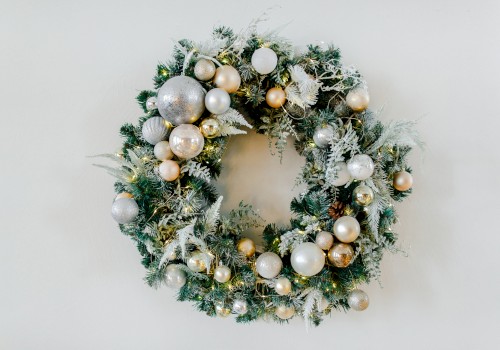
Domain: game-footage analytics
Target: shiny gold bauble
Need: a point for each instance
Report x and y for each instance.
(222, 311)
(204, 69)
(275, 97)
(402, 181)
(246, 246)
(210, 128)
(124, 195)
(341, 254)
(363, 195)
(283, 286)
(196, 261)
(227, 78)
(285, 312)
(358, 99)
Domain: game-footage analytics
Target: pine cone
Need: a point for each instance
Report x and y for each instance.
(336, 210)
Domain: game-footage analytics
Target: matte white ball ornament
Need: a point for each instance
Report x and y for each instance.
(222, 274)
(307, 259)
(342, 175)
(162, 151)
(186, 141)
(346, 229)
(264, 60)
(169, 170)
(360, 166)
(175, 277)
(124, 210)
(217, 101)
(268, 265)
(154, 130)
(358, 300)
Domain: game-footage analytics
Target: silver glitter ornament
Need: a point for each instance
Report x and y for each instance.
(175, 277)
(358, 300)
(217, 101)
(124, 210)
(204, 69)
(181, 100)
(154, 130)
(268, 265)
(346, 229)
(151, 103)
(222, 274)
(186, 141)
(323, 136)
(240, 307)
(360, 167)
(307, 259)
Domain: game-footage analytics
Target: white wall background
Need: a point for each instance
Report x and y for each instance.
(69, 73)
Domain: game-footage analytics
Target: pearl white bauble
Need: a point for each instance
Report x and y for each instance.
(151, 103)
(264, 60)
(360, 166)
(285, 312)
(197, 261)
(283, 286)
(204, 69)
(307, 259)
(358, 300)
(346, 229)
(175, 277)
(324, 240)
(186, 141)
(154, 130)
(269, 265)
(169, 170)
(240, 307)
(402, 181)
(323, 136)
(358, 99)
(222, 274)
(162, 151)
(342, 175)
(217, 101)
(227, 78)
(124, 210)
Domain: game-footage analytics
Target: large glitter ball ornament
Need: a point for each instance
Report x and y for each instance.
(307, 259)
(210, 128)
(341, 254)
(264, 60)
(186, 141)
(227, 78)
(222, 311)
(162, 151)
(181, 100)
(275, 97)
(154, 130)
(169, 170)
(324, 240)
(402, 181)
(285, 312)
(222, 274)
(363, 195)
(204, 69)
(323, 136)
(346, 229)
(358, 99)
(217, 101)
(124, 210)
(246, 246)
(283, 286)
(240, 307)
(175, 277)
(358, 300)
(360, 166)
(197, 261)
(342, 175)
(269, 265)
(151, 103)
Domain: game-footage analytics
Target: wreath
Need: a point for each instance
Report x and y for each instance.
(355, 170)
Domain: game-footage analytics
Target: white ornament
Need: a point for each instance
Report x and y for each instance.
(124, 210)
(323, 136)
(169, 170)
(162, 151)
(240, 307)
(264, 60)
(346, 229)
(307, 259)
(197, 261)
(175, 277)
(283, 286)
(358, 99)
(186, 141)
(217, 101)
(358, 300)
(204, 69)
(342, 175)
(324, 240)
(222, 311)
(268, 265)
(285, 312)
(360, 166)
(222, 274)
(154, 130)
(151, 103)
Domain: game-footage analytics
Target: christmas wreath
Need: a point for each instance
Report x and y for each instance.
(355, 170)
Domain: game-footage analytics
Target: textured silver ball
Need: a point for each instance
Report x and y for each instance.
(324, 240)
(124, 210)
(285, 312)
(269, 265)
(162, 151)
(360, 166)
(283, 286)
(151, 103)
(264, 60)
(358, 99)
(342, 175)
(222, 274)
(197, 261)
(323, 136)
(217, 101)
(175, 277)
(307, 259)
(240, 307)
(181, 100)
(186, 141)
(154, 130)
(358, 300)
(346, 229)
(204, 69)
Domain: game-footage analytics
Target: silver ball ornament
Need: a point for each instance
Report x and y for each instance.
(222, 274)
(151, 103)
(346, 229)
(358, 99)
(360, 166)
(197, 261)
(124, 210)
(358, 300)
(217, 101)
(283, 286)
(181, 100)
(285, 312)
(268, 265)
(363, 195)
(175, 277)
(240, 307)
(324, 240)
(162, 151)
(307, 259)
(186, 141)
(264, 60)
(323, 136)
(342, 175)
(154, 130)
(204, 69)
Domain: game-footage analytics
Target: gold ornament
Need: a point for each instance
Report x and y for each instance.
(246, 246)
(124, 195)
(402, 181)
(210, 128)
(222, 311)
(275, 97)
(341, 254)
(227, 78)
(283, 286)
(358, 99)
(363, 195)
(285, 312)
(169, 170)
(204, 69)
(196, 261)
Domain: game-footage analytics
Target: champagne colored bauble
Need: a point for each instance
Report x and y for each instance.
(222, 274)
(210, 128)
(162, 151)
(346, 229)
(358, 300)
(324, 240)
(363, 195)
(154, 130)
(217, 101)
(342, 175)
(285, 312)
(264, 60)
(307, 259)
(402, 181)
(124, 210)
(358, 99)
(360, 167)
(175, 277)
(275, 97)
(246, 246)
(186, 141)
(227, 78)
(240, 307)
(151, 103)
(169, 170)
(124, 195)
(222, 311)
(181, 100)
(204, 69)
(268, 265)
(341, 254)
(283, 286)
(197, 261)
(323, 136)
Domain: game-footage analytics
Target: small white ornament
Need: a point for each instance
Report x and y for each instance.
(268, 265)
(162, 151)
(240, 307)
(217, 101)
(197, 261)
(324, 240)
(264, 60)
(186, 141)
(283, 286)
(323, 136)
(346, 229)
(358, 99)
(358, 300)
(204, 69)
(124, 210)
(222, 274)
(154, 130)
(307, 259)
(360, 166)
(151, 103)
(342, 175)
(175, 277)
(222, 311)
(285, 312)
(169, 170)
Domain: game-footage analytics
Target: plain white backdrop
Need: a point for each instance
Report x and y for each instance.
(69, 73)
